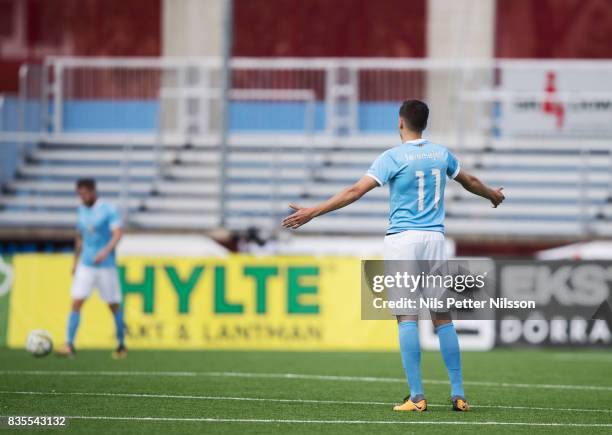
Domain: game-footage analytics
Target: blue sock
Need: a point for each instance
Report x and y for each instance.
(120, 326)
(73, 325)
(410, 349)
(449, 346)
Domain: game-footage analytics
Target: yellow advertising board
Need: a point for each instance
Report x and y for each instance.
(237, 302)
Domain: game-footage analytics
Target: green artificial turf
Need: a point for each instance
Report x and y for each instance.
(215, 385)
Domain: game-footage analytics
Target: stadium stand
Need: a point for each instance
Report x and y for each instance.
(165, 181)
(543, 187)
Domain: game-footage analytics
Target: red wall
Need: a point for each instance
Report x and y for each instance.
(554, 29)
(96, 27)
(77, 27)
(388, 28)
(321, 28)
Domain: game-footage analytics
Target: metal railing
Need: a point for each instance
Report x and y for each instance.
(355, 95)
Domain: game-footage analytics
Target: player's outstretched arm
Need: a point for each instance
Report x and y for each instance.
(477, 187)
(341, 199)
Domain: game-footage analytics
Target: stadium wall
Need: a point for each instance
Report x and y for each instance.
(134, 115)
(322, 28)
(34, 29)
(553, 29)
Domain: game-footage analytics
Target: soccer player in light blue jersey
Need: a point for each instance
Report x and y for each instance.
(99, 232)
(416, 172)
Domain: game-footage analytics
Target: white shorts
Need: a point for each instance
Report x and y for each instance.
(415, 245)
(105, 279)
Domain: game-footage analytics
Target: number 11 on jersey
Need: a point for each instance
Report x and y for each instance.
(421, 188)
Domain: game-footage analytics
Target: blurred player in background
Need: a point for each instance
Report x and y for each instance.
(415, 172)
(99, 232)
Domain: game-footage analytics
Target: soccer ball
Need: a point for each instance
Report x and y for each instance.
(39, 343)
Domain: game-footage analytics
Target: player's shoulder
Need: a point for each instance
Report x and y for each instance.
(106, 206)
(441, 150)
(387, 156)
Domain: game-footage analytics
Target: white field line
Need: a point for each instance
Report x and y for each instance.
(264, 399)
(292, 421)
(299, 376)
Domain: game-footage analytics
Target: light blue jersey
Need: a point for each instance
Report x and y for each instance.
(416, 172)
(95, 224)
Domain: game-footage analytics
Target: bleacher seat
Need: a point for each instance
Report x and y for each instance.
(546, 189)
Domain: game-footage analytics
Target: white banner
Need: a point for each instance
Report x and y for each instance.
(555, 102)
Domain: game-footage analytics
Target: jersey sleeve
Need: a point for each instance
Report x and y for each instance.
(383, 169)
(452, 165)
(114, 220)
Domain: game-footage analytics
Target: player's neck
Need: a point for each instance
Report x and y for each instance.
(410, 135)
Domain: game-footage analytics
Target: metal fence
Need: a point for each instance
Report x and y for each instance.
(351, 96)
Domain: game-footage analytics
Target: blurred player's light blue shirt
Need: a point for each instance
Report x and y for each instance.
(416, 172)
(95, 224)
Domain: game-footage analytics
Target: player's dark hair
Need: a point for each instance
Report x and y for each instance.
(88, 183)
(415, 113)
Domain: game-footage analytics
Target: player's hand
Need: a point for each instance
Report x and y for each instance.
(101, 256)
(74, 266)
(497, 197)
(299, 217)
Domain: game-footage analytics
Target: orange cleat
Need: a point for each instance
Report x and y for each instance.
(120, 353)
(460, 404)
(66, 351)
(409, 405)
